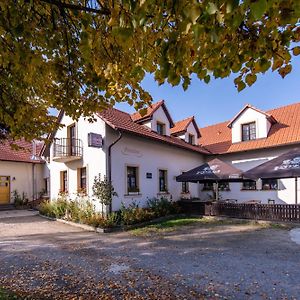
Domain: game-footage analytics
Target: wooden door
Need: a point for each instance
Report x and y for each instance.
(4, 189)
(72, 141)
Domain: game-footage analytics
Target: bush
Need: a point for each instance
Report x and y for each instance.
(134, 214)
(82, 210)
(162, 207)
(46, 209)
(54, 209)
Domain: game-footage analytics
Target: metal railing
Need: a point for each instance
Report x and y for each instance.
(68, 147)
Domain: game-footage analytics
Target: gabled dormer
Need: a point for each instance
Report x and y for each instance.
(186, 130)
(157, 118)
(250, 124)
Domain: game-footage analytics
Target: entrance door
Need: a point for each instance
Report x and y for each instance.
(4, 189)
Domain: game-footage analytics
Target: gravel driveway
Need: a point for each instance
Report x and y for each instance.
(50, 260)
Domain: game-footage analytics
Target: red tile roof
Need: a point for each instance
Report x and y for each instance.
(23, 154)
(286, 130)
(181, 126)
(150, 110)
(123, 121)
(138, 118)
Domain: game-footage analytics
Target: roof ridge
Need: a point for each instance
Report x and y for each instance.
(213, 125)
(191, 117)
(281, 107)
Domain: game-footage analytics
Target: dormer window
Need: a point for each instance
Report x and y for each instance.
(161, 128)
(249, 131)
(191, 139)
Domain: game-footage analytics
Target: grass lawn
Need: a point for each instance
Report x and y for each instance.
(176, 223)
(5, 295)
(181, 222)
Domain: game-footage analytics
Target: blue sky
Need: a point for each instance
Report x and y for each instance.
(219, 100)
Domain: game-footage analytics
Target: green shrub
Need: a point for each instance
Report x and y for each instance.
(162, 207)
(46, 208)
(134, 214)
(98, 220)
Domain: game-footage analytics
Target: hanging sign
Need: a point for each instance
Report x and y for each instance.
(95, 140)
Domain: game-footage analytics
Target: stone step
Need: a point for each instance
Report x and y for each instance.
(4, 207)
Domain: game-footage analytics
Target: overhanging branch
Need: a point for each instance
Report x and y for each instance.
(59, 4)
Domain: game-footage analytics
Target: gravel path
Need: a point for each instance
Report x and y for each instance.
(50, 260)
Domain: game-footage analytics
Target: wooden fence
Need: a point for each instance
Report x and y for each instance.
(272, 212)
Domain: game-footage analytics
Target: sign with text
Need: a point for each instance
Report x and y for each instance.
(95, 140)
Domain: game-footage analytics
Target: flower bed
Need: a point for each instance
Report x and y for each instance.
(83, 212)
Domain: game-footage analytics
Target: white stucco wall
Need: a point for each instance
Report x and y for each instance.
(191, 130)
(160, 116)
(21, 178)
(251, 159)
(93, 158)
(150, 156)
(248, 116)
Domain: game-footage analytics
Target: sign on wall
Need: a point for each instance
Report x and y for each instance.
(149, 175)
(95, 140)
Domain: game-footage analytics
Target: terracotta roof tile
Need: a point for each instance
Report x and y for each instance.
(150, 110)
(286, 130)
(123, 121)
(181, 125)
(23, 154)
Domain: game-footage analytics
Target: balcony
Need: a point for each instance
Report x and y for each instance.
(67, 150)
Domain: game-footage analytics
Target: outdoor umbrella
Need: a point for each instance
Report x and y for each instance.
(215, 171)
(286, 165)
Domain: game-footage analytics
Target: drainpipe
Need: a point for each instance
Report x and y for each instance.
(33, 186)
(109, 162)
(33, 157)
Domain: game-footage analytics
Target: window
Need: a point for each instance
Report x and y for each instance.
(191, 139)
(72, 139)
(46, 186)
(269, 184)
(163, 176)
(249, 131)
(224, 186)
(64, 181)
(249, 185)
(132, 180)
(209, 186)
(160, 128)
(185, 187)
(81, 186)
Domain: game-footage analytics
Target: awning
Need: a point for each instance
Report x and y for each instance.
(212, 171)
(286, 165)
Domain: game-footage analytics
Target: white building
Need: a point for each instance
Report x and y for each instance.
(251, 138)
(21, 172)
(142, 155)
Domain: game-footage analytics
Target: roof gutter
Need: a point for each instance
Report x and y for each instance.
(109, 172)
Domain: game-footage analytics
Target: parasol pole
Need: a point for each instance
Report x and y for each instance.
(296, 190)
(217, 190)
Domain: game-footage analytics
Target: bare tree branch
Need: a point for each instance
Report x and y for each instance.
(61, 5)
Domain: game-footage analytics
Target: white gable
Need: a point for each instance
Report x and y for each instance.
(250, 115)
(159, 116)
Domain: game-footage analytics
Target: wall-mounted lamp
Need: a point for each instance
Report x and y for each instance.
(14, 178)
